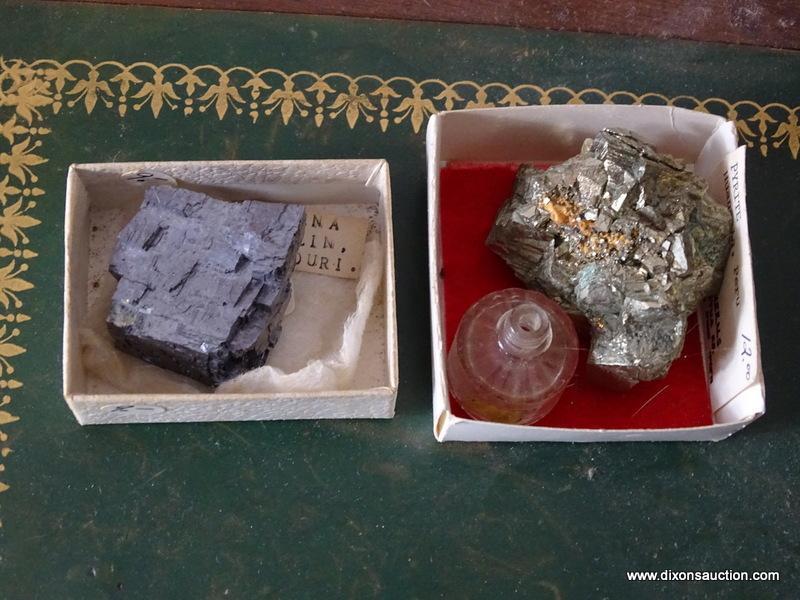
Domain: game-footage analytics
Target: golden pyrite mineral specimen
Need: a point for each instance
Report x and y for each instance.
(626, 236)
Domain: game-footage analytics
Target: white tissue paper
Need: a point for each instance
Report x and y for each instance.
(318, 348)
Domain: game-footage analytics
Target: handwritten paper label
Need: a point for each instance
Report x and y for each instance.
(143, 409)
(729, 319)
(332, 245)
(148, 178)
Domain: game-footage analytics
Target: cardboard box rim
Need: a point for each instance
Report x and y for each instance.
(373, 402)
(719, 144)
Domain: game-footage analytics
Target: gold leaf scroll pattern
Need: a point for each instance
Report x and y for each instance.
(23, 95)
(367, 99)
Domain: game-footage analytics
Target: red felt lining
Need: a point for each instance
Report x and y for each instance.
(470, 196)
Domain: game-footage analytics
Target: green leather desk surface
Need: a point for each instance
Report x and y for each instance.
(346, 508)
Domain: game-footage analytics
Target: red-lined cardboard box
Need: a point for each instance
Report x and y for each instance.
(715, 388)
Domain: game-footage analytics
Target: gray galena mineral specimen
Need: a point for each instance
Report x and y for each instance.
(203, 283)
(627, 237)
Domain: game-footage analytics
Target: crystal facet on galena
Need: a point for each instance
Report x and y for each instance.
(203, 283)
(625, 236)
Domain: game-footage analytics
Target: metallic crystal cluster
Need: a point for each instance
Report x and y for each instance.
(203, 283)
(626, 236)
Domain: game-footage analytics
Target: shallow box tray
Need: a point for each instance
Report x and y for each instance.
(549, 134)
(93, 188)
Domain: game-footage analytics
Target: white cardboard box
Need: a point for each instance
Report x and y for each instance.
(92, 188)
(553, 134)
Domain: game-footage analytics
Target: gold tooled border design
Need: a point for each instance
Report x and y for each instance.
(22, 94)
(32, 92)
(51, 86)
